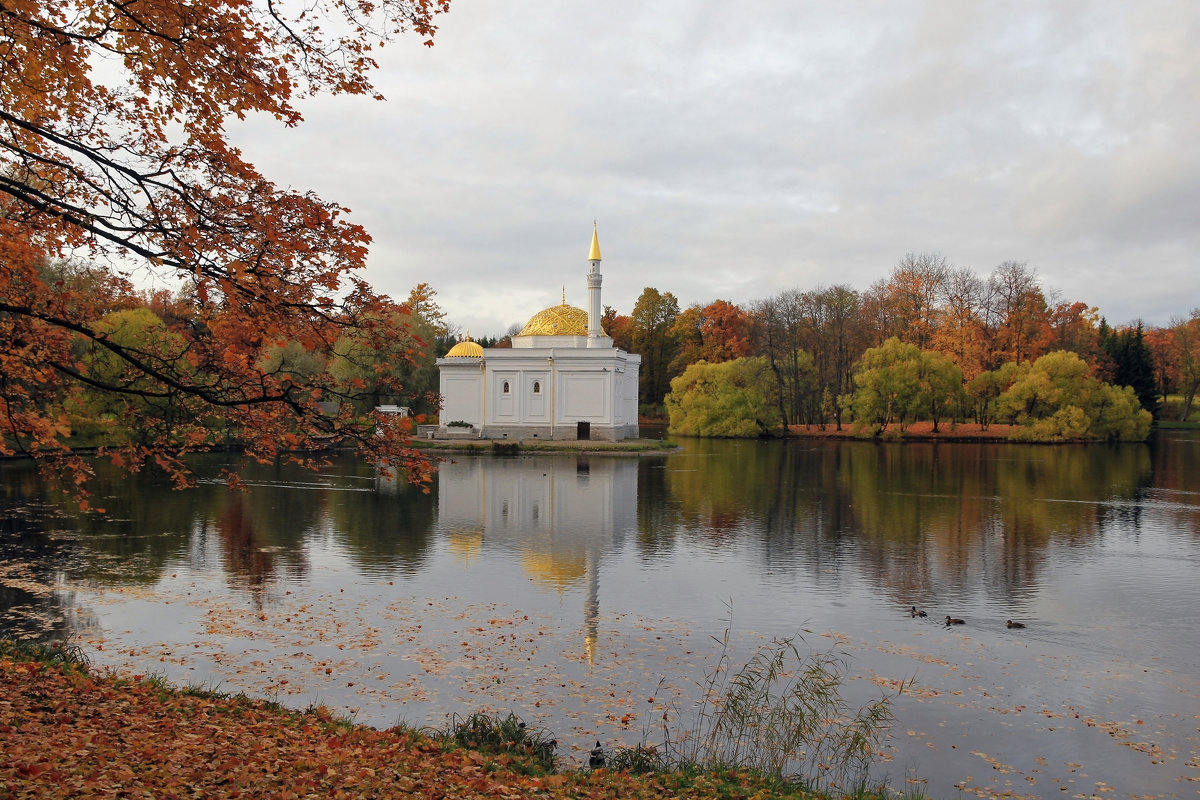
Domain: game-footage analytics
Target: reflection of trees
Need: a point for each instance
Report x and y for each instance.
(784, 494)
(29, 558)
(716, 485)
(657, 518)
(385, 530)
(1175, 455)
(930, 513)
(920, 516)
(145, 524)
(246, 554)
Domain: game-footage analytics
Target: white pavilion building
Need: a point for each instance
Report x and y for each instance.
(561, 379)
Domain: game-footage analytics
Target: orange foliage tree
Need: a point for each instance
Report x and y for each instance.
(720, 331)
(960, 333)
(1176, 351)
(1018, 314)
(619, 327)
(114, 151)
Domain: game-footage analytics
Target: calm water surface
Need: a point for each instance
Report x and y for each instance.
(585, 593)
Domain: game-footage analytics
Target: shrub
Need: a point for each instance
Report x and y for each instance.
(732, 398)
(1057, 399)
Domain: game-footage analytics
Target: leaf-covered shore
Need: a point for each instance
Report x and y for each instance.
(70, 732)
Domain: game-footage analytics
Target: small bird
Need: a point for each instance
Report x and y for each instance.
(1011, 624)
(596, 759)
(955, 621)
(917, 613)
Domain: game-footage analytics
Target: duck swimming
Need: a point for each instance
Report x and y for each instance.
(955, 621)
(917, 613)
(1011, 624)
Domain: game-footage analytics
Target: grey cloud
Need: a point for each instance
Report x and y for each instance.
(736, 151)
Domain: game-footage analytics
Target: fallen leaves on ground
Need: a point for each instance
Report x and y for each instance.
(71, 733)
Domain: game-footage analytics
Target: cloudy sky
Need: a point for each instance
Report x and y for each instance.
(735, 150)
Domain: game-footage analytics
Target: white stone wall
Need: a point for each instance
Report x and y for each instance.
(543, 392)
(462, 394)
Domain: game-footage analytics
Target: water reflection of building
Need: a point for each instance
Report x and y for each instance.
(559, 514)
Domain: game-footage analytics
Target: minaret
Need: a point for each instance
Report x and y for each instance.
(596, 336)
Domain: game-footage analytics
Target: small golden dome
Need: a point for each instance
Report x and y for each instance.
(560, 320)
(466, 349)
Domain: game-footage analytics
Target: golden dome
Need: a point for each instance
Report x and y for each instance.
(466, 349)
(560, 320)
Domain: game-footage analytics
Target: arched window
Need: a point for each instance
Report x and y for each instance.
(537, 387)
(506, 387)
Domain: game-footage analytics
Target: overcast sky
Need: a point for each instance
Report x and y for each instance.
(735, 150)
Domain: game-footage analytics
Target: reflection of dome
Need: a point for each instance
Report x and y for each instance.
(466, 349)
(465, 544)
(557, 571)
(560, 320)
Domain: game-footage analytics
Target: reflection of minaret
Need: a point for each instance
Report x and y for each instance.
(591, 605)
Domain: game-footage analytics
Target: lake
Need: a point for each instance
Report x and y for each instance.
(588, 593)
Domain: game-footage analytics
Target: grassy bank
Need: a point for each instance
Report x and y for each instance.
(67, 731)
(512, 446)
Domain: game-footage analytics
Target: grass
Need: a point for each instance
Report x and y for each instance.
(507, 735)
(781, 716)
(70, 657)
(549, 445)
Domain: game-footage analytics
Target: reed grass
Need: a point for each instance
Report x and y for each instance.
(781, 715)
(60, 653)
(496, 735)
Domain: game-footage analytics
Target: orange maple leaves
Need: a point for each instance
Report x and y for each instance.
(113, 149)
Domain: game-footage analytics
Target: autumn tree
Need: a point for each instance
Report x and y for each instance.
(1017, 317)
(114, 149)
(913, 292)
(619, 327)
(960, 332)
(887, 388)
(689, 341)
(900, 383)
(653, 321)
(771, 339)
(139, 412)
(719, 331)
(1184, 359)
(730, 398)
(437, 336)
(1074, 327)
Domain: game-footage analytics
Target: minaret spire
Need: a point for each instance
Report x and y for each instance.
(594, 255)
(594, 279)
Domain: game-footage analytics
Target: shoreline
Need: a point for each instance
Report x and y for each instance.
(68, 730)
(916, 432)
(639, 447)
